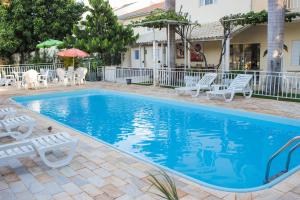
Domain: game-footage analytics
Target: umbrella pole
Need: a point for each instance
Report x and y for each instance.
(74, 62)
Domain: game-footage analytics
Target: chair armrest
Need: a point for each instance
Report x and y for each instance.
(219, 87)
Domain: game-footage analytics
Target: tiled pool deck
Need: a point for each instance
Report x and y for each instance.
(101, 172)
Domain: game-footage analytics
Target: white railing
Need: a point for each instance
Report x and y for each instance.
(293, 5)
(279, 85)
(135, 75)
(10, 69)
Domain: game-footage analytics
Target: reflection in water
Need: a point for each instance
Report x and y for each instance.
(220, 149)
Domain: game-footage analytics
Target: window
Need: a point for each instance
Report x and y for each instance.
(296, 53)
(245, 57)
(207, 2)
(136, 54)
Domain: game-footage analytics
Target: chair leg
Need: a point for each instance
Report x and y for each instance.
(59, 163)
(20, 136)
(227, 100)
(248, 94)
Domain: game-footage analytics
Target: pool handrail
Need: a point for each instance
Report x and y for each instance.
(278, 152)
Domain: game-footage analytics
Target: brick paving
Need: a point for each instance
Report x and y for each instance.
(101, 172)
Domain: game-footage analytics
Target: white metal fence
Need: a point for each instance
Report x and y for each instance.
(135, 75)
(279, 85)
(9, 69)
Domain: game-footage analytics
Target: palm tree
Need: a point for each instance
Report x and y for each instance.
(276, 19)
(170, 5)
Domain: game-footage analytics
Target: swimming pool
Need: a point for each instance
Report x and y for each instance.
(221, 148)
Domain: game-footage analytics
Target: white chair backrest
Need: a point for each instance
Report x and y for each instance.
(207, 79)
(44, 72)
(60, 73)
(31, 77)
(240, 82)
(81, 72)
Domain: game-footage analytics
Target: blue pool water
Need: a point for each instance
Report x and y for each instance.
(223, 148)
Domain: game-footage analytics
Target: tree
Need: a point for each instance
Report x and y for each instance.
(276, 19)
(101, 33)
(170, 5)
(31, 21)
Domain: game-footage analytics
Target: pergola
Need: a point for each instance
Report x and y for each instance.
(166, 23)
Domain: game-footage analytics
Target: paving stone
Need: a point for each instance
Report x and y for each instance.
(112, 191)
(43, 178)
(71, 188)
(62, 196)
(82, 196)
(296, 190)
(53, 188)
(3, 185)
(86, 173)
(91, 190)
(43, 195)
(35, 187)
(290, 196)
(96, 181)
(102, 172)
(24, 196)
(7, 195)
(115, 181)
(17, 187)
(68, 171)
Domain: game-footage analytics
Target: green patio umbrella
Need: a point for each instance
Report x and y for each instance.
(49, 43)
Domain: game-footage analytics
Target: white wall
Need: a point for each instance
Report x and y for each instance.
(212, 13)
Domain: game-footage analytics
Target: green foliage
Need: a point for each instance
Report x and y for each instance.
(252, 18)
(157, 19)
(25, 23)
(165, 185)
(8, 41)
(101, 33)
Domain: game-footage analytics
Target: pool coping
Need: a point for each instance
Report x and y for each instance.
(176, 102)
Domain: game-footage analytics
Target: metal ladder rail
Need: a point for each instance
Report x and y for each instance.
(290, 142)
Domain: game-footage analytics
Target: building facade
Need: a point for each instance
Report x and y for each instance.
(247, 44)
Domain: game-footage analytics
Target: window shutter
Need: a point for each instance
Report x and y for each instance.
(296, 53)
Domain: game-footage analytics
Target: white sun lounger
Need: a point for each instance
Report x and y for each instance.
(5, 112)
(203, 84)
(241, 84)
(8, 125)
(41, 146)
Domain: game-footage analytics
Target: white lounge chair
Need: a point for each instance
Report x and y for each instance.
(241, 84)
(10, 127)
(41, 146)
(80, 74)
(5, 112)
(203, 84)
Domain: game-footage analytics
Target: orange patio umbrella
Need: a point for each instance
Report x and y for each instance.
(73, 53)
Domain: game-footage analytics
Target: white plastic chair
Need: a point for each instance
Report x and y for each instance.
(10, 127)
(80, 74)
(203, 84)
(241, 84)
(41, 146)
(71, 75)
(61, 74)
(43, 77)
(31, 79)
